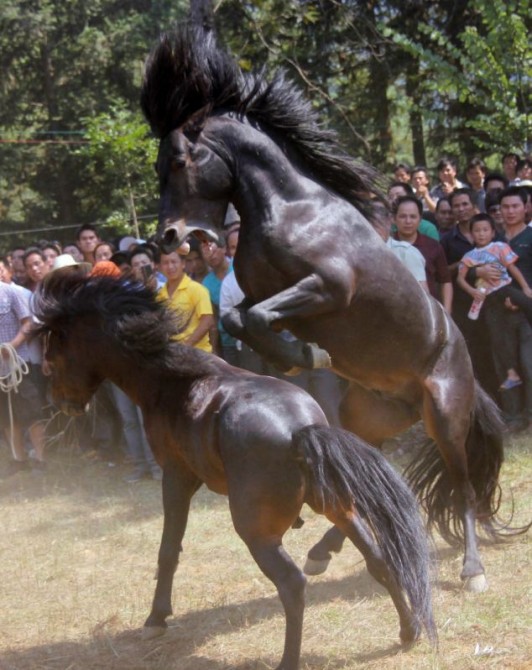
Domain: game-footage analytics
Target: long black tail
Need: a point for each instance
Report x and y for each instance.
(431, 481)
(342, 471)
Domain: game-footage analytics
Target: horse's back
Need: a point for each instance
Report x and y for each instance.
(259, 407)
(233, 416)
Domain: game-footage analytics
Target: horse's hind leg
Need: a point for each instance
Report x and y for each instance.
(290, 582)
(178, 489)
(320, 555)
(447, 411)
(358, 532)
(261, 518)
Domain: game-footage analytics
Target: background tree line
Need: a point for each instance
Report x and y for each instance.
(406, 80)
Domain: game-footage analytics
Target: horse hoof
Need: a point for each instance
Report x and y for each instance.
(319, 358)
(476, 584)
(313, 567)
(151, 632)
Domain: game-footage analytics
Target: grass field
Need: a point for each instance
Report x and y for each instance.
(78, 553)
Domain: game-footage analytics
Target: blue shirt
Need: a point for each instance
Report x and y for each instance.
(214, 286)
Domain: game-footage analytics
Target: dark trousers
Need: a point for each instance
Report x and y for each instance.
(496, 317)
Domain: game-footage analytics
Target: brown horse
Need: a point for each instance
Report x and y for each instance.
(309, 261)
(262, 442)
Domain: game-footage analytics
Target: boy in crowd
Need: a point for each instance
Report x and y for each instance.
(87, 239)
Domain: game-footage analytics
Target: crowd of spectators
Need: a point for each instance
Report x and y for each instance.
(469, 243)
(481, 266)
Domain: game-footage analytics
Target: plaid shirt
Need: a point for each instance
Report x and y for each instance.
(14, 306)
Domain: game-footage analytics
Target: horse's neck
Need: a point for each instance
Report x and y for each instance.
(130, 377)
(267, 177)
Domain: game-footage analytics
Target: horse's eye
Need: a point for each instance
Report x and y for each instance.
(177, 162)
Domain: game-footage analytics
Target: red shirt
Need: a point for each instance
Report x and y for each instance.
(435, 262)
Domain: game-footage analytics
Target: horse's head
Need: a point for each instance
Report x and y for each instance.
(74, 378)
(195, 183)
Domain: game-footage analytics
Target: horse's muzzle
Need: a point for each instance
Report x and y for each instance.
(175, 234)
(170, 239)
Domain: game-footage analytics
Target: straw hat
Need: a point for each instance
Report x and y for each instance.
(65, 262)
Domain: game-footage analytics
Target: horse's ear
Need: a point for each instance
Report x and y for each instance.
(195, 125)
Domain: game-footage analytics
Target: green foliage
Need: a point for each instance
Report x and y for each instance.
(64, 62)
(397, 79)
(121, 154)
(482, 74)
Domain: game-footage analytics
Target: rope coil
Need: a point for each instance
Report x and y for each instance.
(15, 368)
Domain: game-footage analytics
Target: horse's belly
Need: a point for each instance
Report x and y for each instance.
(378, 351)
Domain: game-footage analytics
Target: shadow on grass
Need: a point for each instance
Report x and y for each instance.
(112, 649)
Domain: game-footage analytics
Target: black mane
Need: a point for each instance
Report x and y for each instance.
(128, 312)
(187, 73)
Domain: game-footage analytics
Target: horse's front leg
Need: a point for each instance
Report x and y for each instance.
(310, 297)
(179, 486)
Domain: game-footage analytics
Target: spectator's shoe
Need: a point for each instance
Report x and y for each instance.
(510, 384)
(137, 475)
(157, 474)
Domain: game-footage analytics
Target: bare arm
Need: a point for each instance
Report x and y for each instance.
(206, 322)
(21, 336)
(462, 283)
(423, 192)
(519, 278)
(447, 296)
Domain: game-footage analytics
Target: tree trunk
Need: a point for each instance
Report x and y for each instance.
(379, 76)
(415, 116)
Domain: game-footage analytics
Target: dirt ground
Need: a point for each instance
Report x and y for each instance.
(78, 552)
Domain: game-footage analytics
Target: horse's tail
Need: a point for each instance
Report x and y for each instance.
(343, 472)
(430, 479)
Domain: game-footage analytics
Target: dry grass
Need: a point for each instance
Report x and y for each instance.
(78, 554)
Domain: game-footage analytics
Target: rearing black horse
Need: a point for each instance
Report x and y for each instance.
(309, 261)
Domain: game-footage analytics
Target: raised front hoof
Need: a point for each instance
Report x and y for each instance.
(151, 632)
(316, 357)
(476, 584)
(313, 567)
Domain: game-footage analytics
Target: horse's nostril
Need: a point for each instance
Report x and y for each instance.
(170, 241)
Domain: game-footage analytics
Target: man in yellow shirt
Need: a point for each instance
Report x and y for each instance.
(189, 299)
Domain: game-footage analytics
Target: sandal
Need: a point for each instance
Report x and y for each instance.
(510, 384)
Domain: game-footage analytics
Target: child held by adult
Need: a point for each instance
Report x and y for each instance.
(490, 294)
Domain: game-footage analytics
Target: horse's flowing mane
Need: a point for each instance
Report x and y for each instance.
(188, 73)
(127, 311)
